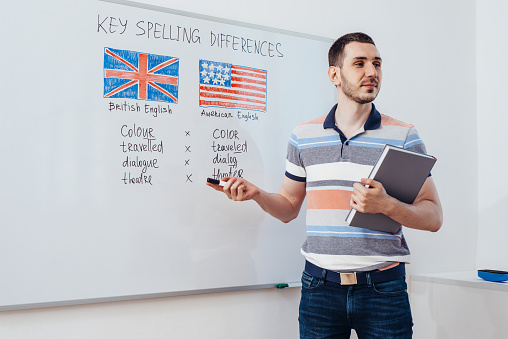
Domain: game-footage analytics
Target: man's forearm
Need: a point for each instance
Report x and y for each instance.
(278, 206)
(284, 205)
(423, 215)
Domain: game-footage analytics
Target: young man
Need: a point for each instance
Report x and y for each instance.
(354, 278)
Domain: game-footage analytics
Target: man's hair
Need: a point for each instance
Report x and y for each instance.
(336, 53)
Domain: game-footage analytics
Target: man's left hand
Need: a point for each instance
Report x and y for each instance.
(373, 199)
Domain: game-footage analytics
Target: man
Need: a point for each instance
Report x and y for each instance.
(354, 278)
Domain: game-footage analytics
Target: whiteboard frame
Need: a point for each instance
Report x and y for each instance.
(218, 20)
(142, 296)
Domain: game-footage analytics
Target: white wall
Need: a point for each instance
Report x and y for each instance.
(492, 113)
(429, 56)
(450, 310)
(247, 315)
(443, 311)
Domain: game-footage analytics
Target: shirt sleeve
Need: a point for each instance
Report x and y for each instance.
(414, 142)
(295, 168)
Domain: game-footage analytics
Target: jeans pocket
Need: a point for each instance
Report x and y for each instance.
(310, 282)
(397, 286)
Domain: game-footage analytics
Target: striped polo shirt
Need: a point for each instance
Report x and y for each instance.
(321, 156)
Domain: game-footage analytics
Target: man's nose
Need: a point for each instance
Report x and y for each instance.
(370, 71)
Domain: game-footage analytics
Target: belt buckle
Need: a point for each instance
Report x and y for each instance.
(348, 278)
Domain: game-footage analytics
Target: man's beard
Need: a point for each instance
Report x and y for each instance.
(349, 91)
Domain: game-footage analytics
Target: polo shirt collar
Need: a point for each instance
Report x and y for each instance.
(373, 121)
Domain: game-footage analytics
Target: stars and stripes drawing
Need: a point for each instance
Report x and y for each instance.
(225, 85)
(142, 76)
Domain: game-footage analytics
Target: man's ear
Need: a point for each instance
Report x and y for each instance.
(334, 75)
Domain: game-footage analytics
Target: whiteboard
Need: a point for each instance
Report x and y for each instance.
(114, 115)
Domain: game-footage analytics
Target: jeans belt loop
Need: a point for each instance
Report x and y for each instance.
(323, 274)
(369, 280)
(348, 278)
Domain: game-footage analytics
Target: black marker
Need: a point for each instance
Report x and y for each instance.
(215, 181)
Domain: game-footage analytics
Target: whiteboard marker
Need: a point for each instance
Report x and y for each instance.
(215, 181)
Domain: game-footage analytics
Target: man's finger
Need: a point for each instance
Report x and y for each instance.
(214, 186)
(370, 182)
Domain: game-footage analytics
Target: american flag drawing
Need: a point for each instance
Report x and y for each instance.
(225, 85)
(136, 75)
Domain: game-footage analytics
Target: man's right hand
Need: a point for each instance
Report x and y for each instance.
(237, 189)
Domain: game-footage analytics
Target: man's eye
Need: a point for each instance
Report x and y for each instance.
(359, 64)
(377, 65)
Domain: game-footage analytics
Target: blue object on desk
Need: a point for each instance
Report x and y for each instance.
(493, 275)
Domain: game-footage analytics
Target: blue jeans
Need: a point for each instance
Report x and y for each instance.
(377, 310)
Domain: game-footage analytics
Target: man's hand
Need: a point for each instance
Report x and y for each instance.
(373, 199)
(237, 189)
(425, 213)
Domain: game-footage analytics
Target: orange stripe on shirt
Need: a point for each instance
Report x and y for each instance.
(329, 199)
(389, 121)
(319, 120)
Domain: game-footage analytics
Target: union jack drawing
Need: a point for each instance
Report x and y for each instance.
(226, 85)
(136, 75)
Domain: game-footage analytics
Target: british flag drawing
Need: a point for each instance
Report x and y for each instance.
(136, 75)
(225, 85)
